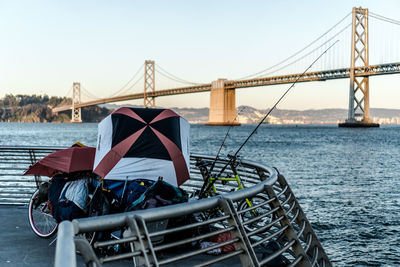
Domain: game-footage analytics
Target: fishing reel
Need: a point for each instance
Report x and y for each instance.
(233, 159)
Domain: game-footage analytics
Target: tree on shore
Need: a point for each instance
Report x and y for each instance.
(38, 108)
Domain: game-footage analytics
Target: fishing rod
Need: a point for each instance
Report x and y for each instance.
(233, 158)
(201, 164)
(223, 141)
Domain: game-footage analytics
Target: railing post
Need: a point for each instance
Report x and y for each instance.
(65, 249)
(89, 256)
(301, 219)
(141, 244)
(289, 232)
(248, 258)
(32, 157)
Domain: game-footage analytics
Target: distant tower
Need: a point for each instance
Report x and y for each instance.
(149, 84)
(76, 99)
(358, 113)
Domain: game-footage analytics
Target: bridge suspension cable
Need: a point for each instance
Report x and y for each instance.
(383, 18)
(123, 88)
(69, 91)
(260, 73)
(62, 103)
(130, 87)
(170, 76)
(309, 53)
(386, 40)
(89, 95)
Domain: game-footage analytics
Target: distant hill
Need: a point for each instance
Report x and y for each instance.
(327, 116)
(250, 115)
(192, 115)
(34, 108)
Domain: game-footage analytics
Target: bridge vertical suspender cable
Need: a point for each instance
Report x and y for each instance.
(297, 52)
(280, 99)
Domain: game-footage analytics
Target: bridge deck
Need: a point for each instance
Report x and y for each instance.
(372, 70)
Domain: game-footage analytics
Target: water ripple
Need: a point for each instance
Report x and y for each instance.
(346, 180)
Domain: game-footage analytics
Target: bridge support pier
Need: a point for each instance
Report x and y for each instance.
(76, 99)
(358, 115)
(222, 105)
(149, 84)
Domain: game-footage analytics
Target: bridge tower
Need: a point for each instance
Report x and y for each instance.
(76, 99)
(222, 104)
(149, 84)
(358, 113)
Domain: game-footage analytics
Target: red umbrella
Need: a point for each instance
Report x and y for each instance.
(67, 160)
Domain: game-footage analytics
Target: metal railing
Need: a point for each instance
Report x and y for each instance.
(272, 228)
(274, 217)
(16, 189)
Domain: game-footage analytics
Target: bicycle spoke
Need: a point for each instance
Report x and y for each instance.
(42, 222)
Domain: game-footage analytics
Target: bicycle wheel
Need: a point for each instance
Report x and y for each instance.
(40, 219)
(251, 214)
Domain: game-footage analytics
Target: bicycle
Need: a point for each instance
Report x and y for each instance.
(250, 210)
(41, 217)
(40, 212)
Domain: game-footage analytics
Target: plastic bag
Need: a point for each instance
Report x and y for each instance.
(223, 237)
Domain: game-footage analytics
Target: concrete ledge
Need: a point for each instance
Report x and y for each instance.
(358, 124)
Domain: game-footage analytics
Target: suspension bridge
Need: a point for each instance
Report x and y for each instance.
(222, 91)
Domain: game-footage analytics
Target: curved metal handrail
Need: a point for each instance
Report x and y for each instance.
(278, 220)
(285, 226)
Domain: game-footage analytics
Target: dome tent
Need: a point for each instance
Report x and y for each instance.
(144, 143)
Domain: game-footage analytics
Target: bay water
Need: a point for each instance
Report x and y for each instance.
(346, 180)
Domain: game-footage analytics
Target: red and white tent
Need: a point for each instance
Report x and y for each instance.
(143, 143)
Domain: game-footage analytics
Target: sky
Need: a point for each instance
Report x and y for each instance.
(47, 45)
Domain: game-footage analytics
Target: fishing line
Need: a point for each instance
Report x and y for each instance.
(225, 138)
(233, 158)
(217, 156)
